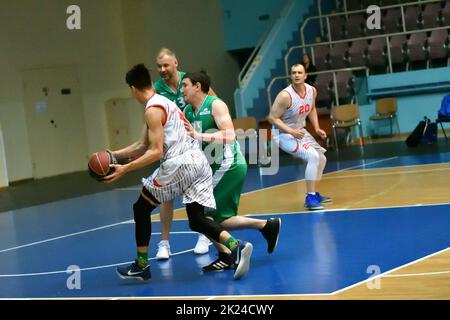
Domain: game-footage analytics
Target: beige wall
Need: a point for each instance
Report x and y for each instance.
(3, 172)
(34, 35)
(115, 35)
(194, 30)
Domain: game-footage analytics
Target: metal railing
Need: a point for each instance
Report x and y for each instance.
(346, 13)
(386, 36)
(259, 44)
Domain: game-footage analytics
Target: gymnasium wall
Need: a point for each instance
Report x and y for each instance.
(34, 35)
(411, 109)
(115, 34)
(246, 21)
(194, 31)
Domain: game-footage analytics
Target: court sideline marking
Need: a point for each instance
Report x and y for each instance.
(128, 221)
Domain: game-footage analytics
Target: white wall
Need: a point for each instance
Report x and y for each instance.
(114, 35)
(3, 172)
(243, 26)
(193, 29)
(34, 35)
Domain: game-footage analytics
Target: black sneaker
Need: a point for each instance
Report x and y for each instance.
(271, 231)
(133, 271)
(224, 262)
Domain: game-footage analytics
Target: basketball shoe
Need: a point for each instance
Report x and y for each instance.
(322, 199)
(271, 231)
(133, 271)
(312, 203)
(241, 255)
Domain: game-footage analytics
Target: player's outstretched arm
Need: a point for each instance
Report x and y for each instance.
(133, 151)
(154, 118)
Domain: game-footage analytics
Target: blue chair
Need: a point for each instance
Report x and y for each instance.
(440, 120)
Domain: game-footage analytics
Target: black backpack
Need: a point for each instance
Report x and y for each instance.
(424, 132)
(430, 133)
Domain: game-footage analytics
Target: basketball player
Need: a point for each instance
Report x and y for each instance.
(169, 85)
(184, 170)
(213, 125)
(288, 115)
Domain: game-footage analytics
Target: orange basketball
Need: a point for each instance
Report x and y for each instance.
(99, 165)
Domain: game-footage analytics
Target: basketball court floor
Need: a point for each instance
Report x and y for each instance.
(386, 235)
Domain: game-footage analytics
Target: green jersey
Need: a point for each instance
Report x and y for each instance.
(163, 89)
(226, 160)
(203, 121)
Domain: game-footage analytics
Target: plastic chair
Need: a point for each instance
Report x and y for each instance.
(386, 108)
(346, 116)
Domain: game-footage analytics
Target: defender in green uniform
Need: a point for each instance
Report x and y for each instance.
(209, 121)
(227, 162)
(169, 85)
(170, 93)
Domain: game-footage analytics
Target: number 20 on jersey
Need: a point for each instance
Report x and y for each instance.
(304, 109)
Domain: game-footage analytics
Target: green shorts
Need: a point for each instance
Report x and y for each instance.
(227, 191)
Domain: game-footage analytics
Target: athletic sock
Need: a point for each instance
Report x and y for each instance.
(231, 243)
(142, 259)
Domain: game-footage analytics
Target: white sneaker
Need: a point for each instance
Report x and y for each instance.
(163, 250)
(202, 245)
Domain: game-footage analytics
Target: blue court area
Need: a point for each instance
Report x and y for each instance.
(318, 252)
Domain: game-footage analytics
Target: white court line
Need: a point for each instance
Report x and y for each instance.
(128, 221)
(416, 274)
(61, 237)
(385, 274)
(332, 172)
(96, 267)
(328, 173)
(363, 174)
(339, 210)
(286, 183)
(389, 271)
(246, 215)
(287, 295)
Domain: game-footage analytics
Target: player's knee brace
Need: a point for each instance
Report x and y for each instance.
(199, 223)
(322, 163)
(143, 225)
(313, 162)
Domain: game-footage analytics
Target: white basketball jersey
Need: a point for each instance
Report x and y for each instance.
(176, 139)
(300, 107)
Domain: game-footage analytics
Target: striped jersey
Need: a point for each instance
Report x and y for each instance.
(176, 139)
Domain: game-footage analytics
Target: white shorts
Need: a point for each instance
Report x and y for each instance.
(298, 148)
(188, 174)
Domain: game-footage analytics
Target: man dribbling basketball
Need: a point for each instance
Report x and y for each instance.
(184, 170)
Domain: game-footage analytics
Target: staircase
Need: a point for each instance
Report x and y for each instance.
(251, 99)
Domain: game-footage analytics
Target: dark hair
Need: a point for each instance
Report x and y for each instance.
(308, 55)
(139, 77)
(199, 77)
